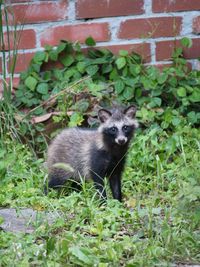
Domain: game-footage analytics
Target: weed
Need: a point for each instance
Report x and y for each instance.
(157, 224)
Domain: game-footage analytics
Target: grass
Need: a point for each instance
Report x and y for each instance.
(158, 223)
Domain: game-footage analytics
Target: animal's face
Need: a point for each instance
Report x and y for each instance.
(118, 125)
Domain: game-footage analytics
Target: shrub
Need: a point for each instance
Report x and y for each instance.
(169, 98)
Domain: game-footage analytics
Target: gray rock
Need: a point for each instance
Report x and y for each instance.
(24, 220)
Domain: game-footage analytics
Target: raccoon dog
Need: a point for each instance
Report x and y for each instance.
(95, 153)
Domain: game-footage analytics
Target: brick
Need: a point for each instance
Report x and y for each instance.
(24, 39)
(15, 82)
(99, 31)
(19, 1)
(164, 49)
(196, 25)
(175, 5)
(38, 12)
(150, 28)
(142, 49)
(105, 8)
(22, 62)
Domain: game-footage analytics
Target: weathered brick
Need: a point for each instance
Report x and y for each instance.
(164, 49)
(150, 27)
(22, 62)
(38, 12)
(99, 31)
(142, 49)
(105, 8)
(24, 39)
(19, 1)
(15, 82)
(196, 25)
(175, 5)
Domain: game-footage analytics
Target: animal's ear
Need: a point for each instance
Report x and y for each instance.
(130, 111)
(104, 115)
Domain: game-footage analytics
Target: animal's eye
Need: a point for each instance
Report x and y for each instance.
(113, 129)
(125, 128)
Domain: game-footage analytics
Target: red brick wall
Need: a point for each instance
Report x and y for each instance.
(149, 27)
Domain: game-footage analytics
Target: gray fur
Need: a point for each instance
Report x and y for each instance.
(74, 146)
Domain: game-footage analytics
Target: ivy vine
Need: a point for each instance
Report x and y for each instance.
(167, 98)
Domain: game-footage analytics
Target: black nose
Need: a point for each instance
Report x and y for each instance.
(121, 141)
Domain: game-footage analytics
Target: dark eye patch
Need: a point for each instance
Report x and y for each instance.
(113, 130)
(126, 128)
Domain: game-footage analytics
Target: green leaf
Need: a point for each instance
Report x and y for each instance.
(138, 93)
(67, 60)
(47, 75)
(156, 92)
(181, 91)
(106, 68)
(58, 74)
(42, 88)
(50, 244)
(35, 67)
(91, 70)
(31, 83)
(39, 111)
(119, 86)
(61, 47)
(53, 55)
(79, 56)
(192, 117)
(81, 67)
(114, 75)
(90, 41)
(178, 52)
(69, 73)
(195, 96)
(155, 102)
(81, 255)
(186, 42)
(19, 93)
(123, 53)
(75, 119)
(134, 69)
(128, 93)
(146, 82)
(120, 62)
(176, 121)
(45, 97)
(162, 78)
(77, 47)
(130, 82)
(48, 47)
(39, 57)
(82, 105)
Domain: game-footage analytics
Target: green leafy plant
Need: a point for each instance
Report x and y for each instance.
(157, 223)
(166, 97)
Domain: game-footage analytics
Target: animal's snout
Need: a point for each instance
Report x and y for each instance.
(121, 141)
